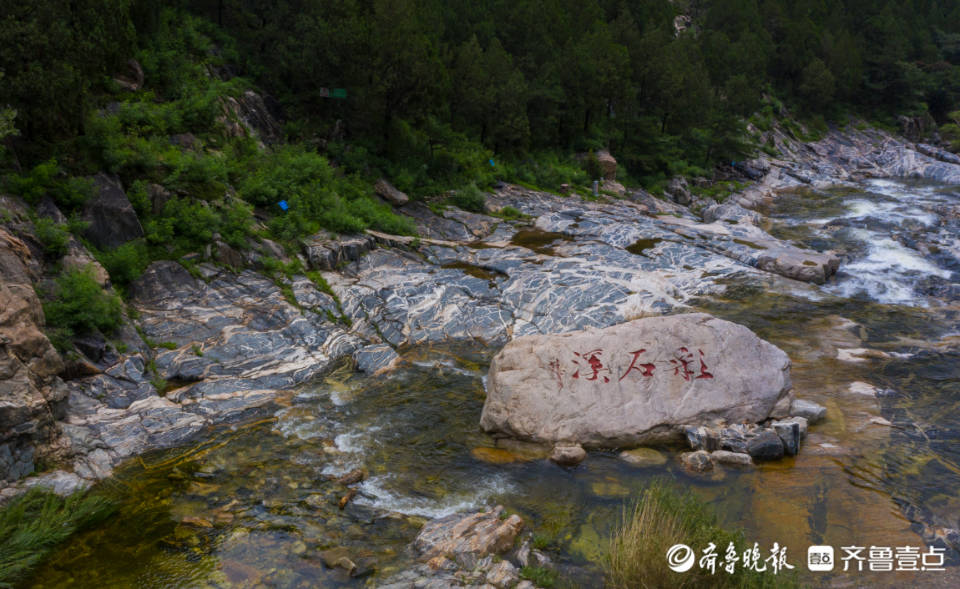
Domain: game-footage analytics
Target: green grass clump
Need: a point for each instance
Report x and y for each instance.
(540, 576)
(469, 198)
(78, 305)
(663, 517)
(52, 236)
(32, 524)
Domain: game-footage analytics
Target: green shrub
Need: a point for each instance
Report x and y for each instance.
(78, 305)
(52, 236)
(125, 263)
(32, 524)
(663, 517)
(47, 179)
(469, 198)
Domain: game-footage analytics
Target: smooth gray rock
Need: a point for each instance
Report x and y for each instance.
(792, 432)
(730, 212)
(633, 383)
(766, 446)
(112, 220)
(733, 458)
(389, 193)
(568, 454)
(699, 461)
(812, 412)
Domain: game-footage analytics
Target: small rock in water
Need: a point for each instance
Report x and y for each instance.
(199, 522)
(347, 498)
(643, 457)
(813, 412)
(354, 476)
(568, 454)
(493, 455)
(524, 450)
(766, 446)
(338, 558)
(503, 574)
(863, 388)
(699, 461)
(467, 538)
(734, 458)
(791, 431)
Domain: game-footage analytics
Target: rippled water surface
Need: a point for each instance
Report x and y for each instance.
(879, 345)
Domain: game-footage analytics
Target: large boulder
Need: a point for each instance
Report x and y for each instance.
(112, 220)
(608, 164)
(390, 193)
(635, 383)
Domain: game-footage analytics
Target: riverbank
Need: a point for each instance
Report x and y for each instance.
(234, 343)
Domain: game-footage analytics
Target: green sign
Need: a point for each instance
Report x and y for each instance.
(339, 93)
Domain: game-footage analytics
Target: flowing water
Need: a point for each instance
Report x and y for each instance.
(879, 345)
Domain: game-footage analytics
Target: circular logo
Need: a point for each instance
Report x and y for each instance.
(680, 558)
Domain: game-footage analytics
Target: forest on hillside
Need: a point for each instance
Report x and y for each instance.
(662, 83)
(435, 96)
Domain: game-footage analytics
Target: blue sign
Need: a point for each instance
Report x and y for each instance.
(283, 205)
(492, 164)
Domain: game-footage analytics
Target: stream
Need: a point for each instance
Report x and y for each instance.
(878, 345)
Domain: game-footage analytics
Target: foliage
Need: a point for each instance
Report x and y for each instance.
(470, 198)
(53, 237)
(125, 263)
(32, 524)
(78, 305)
(48, 179)
(661, 518)
(540, 576)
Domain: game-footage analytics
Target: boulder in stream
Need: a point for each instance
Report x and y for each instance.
(635, 383)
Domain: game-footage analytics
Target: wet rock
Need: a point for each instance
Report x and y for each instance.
(937, 153)
(732, 458)
(109, 214)
(493, 455)
(524, 450)
(568, 454)
(699, 461)
(730, 212)
(643, 457)
(587, 387)
(338, 558)
(503, 575)
(389, 193)
(792, 431)
(376, 359)
(467, 538)
(354, 476)
(765, 446)
(812, 412)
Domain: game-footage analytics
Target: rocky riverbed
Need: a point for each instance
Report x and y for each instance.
(238, 347)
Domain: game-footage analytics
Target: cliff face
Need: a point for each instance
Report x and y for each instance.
(32, 396)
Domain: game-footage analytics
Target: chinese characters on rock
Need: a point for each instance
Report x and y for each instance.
(590, 365)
